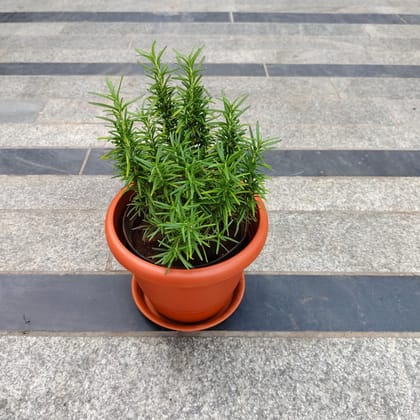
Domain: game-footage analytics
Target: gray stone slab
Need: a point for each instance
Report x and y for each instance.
(114, 17)
(68, 111)
(209, 69)
(410, 19)
(344, 163)
(65, 42)
(331, 6)
(343, 70)
(267, 108)
(393, 57)
(227, 29)
(209, 377)
(352, 18)
(41, 161)
(69, 68)
(220, 53)
(344, 242)
(313, 163)
(15, 110)
(40, 29)
(347, 18)
(377, 88)
(57, 56)
(123, 5)
(390, 31)
(78, 87)
(270, 110)
(51, 135)
(96, 165)
(16, 87)
(52, 241)
(343, 194)
(365, 136)
(406, 112)
(39, 192)
(277, 303)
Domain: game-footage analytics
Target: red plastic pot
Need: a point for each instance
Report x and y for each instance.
(178, 298)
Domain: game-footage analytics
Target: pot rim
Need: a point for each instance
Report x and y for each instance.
(186, 277)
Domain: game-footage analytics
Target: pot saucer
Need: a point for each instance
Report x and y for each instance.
(145, 307)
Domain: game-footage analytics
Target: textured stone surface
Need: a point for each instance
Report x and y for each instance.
(285, 194)
(31, 42)
(210, 29)
(13, 110)
(406, 112)
(344, 136)
(341, 242)
(202, 378)
(343, 163)
(81, 87)
(39, 192)
(337, 242)
(272, 303)
(41, 161)
(357, 6)
(372, 88)
(307, 6)
(265, 107)
(41, 29)
(124, 5)
(344, 194)
(51, 135)
(59, 241)
(300, 110)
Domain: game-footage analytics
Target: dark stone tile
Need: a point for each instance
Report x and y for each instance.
(69, 303)
(318, 18)
(95, 303)
(328, 303)
(234, 69)
(216, 69)
(96, 165)
(63, 69)
(41, 161)
(114, 17)
(343, 163)
(283, 162)
(410, 19)
(342, 70)
(70, 69)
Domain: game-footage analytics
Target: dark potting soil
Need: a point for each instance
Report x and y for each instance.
(146, 249)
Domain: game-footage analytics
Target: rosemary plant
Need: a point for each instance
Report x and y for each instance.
(194, 169)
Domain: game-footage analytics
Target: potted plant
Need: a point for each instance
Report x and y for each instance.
(190, 217)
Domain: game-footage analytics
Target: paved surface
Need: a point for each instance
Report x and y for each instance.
(339, 82)
(209, 378)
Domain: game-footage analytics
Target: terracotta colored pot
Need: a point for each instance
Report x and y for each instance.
(181, 295)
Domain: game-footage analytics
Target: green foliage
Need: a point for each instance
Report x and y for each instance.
(195, 169)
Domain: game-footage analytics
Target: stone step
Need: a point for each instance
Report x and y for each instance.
(335, 6)
(266, 108)
(275, 303)
(295, 29)
(299, 242)
(81, 87)
(236, 44)
(209, 377)
(294, 136)
(289, 194)
(225, 52)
